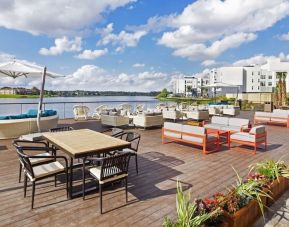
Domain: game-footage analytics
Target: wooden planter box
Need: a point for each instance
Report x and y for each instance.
(277, 188)
(244, 217)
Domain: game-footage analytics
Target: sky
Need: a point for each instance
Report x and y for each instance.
(139, 45)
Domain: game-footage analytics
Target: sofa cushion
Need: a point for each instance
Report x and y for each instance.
(238, 122)
(244, 136)
(214, 126)
(197, 139)
(258, 129)
(220, 120)
(173, 126)
(20, 116)
(231, 128)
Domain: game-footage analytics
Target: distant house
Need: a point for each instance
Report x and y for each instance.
(8, 91)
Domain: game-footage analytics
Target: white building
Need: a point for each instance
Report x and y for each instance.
(191, 85)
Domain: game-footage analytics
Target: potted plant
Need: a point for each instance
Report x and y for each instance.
(277, 173)
(188, 214)
(244, 203)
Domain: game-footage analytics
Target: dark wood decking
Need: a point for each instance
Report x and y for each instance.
(151, 193)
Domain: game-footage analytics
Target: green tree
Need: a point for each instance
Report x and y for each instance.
(164, 93)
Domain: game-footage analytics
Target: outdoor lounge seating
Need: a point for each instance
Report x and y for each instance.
(278, 117)
(111, 169)
(80, 112)
(35, 173)
(190, 134)
(228, 124)
(147, 120)
(231, 111)
(256, 136)
(114, 120)
(18, 125)
(172, 114)
(198, 115)
(98, 111)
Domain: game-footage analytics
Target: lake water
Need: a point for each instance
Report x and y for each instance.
(64, 105)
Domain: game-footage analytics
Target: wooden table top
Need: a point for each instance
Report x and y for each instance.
(83, 142)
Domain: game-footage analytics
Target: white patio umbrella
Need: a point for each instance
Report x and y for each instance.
(16, 69)
(222, 85)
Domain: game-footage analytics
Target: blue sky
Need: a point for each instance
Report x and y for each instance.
(140, 44)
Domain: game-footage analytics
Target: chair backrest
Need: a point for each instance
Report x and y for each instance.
(24, 160)
(61, 129)
(258, 129)
(80, 110)
(116, 131)
(134, 139)
(114, 166)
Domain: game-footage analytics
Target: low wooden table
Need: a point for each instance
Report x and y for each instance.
(82, 143)
(223, 134)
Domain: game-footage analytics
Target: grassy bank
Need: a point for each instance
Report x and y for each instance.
(187, 100)
(21, 96)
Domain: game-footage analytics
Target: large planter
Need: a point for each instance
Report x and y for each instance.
(244, 217)
(277, 188)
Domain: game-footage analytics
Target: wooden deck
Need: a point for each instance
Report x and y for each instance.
(151, 193)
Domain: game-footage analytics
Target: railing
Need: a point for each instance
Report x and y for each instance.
(65, 109)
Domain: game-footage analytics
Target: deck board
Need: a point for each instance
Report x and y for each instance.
(151, 192)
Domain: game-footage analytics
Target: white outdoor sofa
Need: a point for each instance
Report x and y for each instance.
(14, 128)
(146, 120)
(278, 116)
(114, 120)
(228, 124)
(199, 115)
(172, 114)
(191, 135)
(80, 112)
(231, 111)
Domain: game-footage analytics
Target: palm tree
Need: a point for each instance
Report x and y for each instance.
(284, 93)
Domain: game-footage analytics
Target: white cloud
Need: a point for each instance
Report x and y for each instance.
(259, 59)
(91, 77)
(92, 54)
(209, 63)
(55, 18)
(63, 45)
(121, 40)
(284, 37)
(138, 65)
(210, 27)
(201, 51)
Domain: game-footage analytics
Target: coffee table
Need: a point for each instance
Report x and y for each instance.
(224, 135)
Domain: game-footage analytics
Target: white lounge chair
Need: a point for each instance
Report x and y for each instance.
(80, 112)
(98, 111)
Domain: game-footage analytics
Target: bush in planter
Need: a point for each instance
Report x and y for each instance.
(244, 203)
(277, 174)
(188, 214)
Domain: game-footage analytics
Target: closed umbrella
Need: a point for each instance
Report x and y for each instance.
(16, 69)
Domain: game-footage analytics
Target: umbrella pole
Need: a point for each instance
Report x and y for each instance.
(41, 100)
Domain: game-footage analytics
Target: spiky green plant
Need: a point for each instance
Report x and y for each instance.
(187, 215)
(271, 169)
(249, 190)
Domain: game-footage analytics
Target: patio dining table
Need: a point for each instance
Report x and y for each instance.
(81, 143)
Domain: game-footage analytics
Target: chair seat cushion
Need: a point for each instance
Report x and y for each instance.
(246, 137)
(35, 161)
(95, 171)
(48, 169)
(198, 139)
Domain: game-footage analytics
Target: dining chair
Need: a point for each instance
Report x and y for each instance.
(39, 172)
(40, 148)
(134, 139)
(106, 171)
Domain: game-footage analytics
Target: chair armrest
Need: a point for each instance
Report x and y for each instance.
(30, 142)
(51, 157)
(47, 149)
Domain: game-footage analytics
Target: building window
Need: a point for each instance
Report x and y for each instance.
(252, 88)
(258, 88)
(262, 84)
(269, 83)
(252, 81)
(269, 77)
(263, 77)
(252, 73)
